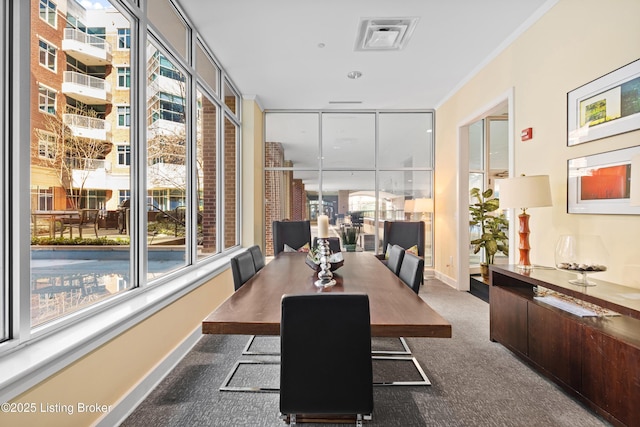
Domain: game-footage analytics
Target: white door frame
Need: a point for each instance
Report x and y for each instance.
(462, 180)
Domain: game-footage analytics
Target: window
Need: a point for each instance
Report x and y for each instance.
(124, 116)
(373, 166)
(46, 100)
(45, 199)
(48, 12)
(46, 145)
(124, 77)
(47, 55)
(124, 38)
(167, 172)
(123, 195)
(124, 155)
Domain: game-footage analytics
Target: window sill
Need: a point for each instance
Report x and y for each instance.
(33, 361)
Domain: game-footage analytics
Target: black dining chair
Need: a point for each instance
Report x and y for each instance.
(404, 233)
(325, 363)
(396, 255)
(294, 234)
(412, 271)
(242, 268)
(258, 258)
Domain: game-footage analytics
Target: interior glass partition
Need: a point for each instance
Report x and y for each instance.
(370, 164)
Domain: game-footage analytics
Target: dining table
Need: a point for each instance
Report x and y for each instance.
(395, 310)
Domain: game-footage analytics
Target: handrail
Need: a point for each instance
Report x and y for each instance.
(77, 35)
(86, 80)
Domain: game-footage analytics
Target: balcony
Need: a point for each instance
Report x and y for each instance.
(85, 88)
(88, 127)
(88, 49)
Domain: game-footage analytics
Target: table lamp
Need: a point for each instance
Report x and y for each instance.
(524, 192)
(423, 206)
(408, 207)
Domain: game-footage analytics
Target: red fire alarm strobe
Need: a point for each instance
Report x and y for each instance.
(526, 134)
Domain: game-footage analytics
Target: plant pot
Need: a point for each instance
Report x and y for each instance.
(484, 272)
(350, 248)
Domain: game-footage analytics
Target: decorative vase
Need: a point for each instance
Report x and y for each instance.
(484, 272)
(350, 248)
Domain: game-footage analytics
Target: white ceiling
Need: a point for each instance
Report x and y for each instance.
(270, 48)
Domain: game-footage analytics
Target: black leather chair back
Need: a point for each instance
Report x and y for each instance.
(412, 271)
(293, 233)
(405, 234)
(242, 268)
(325, 343)
(258, 258)
(396, 255)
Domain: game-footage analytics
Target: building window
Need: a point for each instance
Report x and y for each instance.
(124, 155)
(46, 145)
(47, 55)
(124, 116)
(45, 199)
(46, 100)
(124, 38)
(124, 77)
(123, 195)
(48, 12)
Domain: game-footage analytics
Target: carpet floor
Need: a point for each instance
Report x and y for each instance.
(475, 382)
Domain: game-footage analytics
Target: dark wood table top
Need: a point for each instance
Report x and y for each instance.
(396, 311)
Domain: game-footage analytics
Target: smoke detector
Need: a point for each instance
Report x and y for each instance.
(384, 33)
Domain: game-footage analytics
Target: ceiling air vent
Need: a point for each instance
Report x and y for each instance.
(384, 33)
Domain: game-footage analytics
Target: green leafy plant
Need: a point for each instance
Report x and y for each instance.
(494, 226)
(349, 235)
(77, 241)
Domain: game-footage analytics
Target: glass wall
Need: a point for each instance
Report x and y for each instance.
(79, 172)
(123, 188)
(357, 167)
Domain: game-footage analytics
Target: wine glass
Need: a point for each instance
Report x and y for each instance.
(582, 254)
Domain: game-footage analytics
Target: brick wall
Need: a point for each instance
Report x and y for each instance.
(230, 169)
(273, 182)
(209, 193)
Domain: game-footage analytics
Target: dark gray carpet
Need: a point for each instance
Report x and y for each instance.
(475, 382)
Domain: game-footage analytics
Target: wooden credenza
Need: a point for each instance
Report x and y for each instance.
(595, 359)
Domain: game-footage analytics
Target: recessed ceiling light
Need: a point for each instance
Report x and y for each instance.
(354, 74)
(321, 45)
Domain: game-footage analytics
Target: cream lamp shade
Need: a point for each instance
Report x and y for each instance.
(634, 199)
(423, 205)
(409, 205)
(524, 192)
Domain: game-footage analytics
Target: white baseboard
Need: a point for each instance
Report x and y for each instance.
(447, 280)
(128, 403)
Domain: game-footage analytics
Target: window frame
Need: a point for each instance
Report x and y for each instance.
(124, 39)
(125, 115)
(47, 96)
(48, 11)
(125, 154)
(46, 51)
(126, 75)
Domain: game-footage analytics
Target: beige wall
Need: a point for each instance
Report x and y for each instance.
(574, 43)
(108, 373)
(252, 175)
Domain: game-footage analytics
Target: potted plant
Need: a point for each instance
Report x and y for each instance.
(349, 234)
(493, 228)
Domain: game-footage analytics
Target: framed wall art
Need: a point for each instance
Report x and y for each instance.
(601, 183)
(609, 105)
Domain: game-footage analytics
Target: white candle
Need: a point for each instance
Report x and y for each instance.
(323, 226)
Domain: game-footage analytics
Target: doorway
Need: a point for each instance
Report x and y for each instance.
(485, 150)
